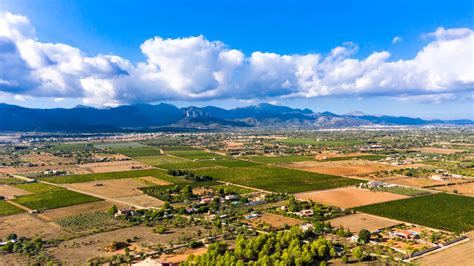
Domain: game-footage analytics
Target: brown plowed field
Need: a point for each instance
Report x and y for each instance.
(349, 197)
(359, 221)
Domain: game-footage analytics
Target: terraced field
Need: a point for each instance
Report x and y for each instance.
(277, 179)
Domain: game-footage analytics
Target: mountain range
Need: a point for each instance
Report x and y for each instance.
(138, 117)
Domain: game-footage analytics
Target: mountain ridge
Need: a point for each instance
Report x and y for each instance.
(147, 116)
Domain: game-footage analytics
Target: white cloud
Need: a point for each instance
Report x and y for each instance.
(194, 68)
(397, 39)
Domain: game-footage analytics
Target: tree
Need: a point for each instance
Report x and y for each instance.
(364, 236)
(358, 253)
(344, 259)
(113, 210)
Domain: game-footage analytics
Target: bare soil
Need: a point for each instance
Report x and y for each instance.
(349, 197)
(274, 220)
(461, 254)
(10, 192)
(438, 150)
(27, 225)
(113, 166)
(113, 188)
(359, 221)
(463, 189)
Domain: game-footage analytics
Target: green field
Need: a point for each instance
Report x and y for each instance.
(194, 154)
(8, 209)
(406, 191)
(37, 187)
(54, 199)
(117, 145)
(315, 142)
(368, 157)
(233, 163)
(72, 147)
(11, 181)
(138, 151)
(159, 160)
(277, 179)
(442, 211)
(279, 159)
(115, 175)
(189, 165)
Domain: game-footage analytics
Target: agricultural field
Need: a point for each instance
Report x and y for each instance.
(277, 179)
(457, 255)
(349, 197)
(54, 199)
(279, 159)
(315, 142)
(406, 191)
(194, 154)
(8, 209)
(466, 189)
(138, 151)
(10, 192)
(112, 188)
(37, 187)
(59, 213)
(72, 147)
(441, 211)
(160, 174)
(344, 168)
(113, 166)
(159, 160)
(438, 150)
(359, 221)
(118, 145)
(368, 157)
(229, 163)
(29, 226)
(90, 222)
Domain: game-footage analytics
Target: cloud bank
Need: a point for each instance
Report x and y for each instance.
(194, 68)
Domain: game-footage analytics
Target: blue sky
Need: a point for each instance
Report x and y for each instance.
(282, 27)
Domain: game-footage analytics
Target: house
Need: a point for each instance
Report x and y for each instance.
(231, 197)
(190, 210)
(305, 213)
(251, 216)
(125, 212)
(256, 202)
(307, 226)
(403, 234)
(206, 200)
(6, 242)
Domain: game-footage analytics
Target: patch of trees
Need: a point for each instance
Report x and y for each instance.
(275, 248)
(188, 175)
(33, 248)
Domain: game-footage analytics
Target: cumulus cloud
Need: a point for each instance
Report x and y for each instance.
(194, 68)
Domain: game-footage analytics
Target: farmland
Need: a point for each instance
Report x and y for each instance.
(8, 209)
(441, 211)
(114, 175)
(91, 221)
(348, 197)
(54, 199)
(194, 154)
(279, 159)
(277, 179)
(316, 142)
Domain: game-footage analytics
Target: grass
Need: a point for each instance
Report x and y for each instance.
(277, 179)
(95, 221)
(115, 175)
(138, 151)
(280, 159)
(54, 199)
(315, 142)
(442, 211)
(37, 187)
(8, 209)
(369, 157)
(406, 191)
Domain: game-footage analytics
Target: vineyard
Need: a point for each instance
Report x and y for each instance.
(91, 222)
